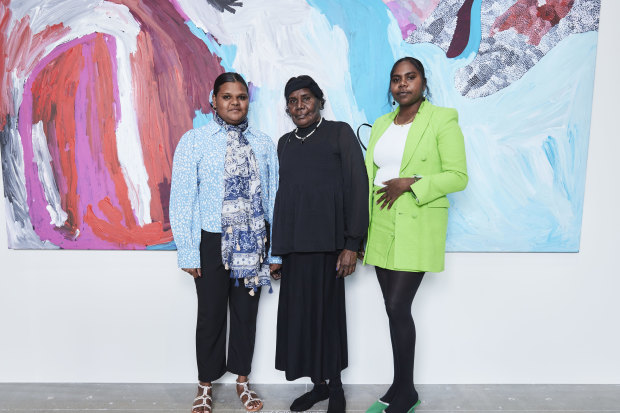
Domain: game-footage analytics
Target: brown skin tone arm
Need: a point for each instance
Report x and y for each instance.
(194, 272)
(393, 189)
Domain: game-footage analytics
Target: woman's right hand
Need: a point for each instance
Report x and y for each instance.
(194, 272)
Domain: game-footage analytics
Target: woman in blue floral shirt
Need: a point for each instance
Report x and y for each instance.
(224, 182)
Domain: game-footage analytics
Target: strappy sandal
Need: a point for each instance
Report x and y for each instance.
(205, 400)
(251, 397)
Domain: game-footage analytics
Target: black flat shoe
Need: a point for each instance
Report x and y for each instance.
(337, 402)
(305, 402)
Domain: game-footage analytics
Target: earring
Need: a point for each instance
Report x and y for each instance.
(393, 102)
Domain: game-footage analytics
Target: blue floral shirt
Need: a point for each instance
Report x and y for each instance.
(198, 186)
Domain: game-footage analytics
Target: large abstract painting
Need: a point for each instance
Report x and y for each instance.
(96, 94)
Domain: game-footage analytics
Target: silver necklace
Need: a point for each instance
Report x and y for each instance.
(303, 138)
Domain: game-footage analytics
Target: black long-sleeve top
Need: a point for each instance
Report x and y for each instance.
(322, 199)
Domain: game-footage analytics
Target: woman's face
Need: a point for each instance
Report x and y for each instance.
(407, 85)
(304, 107)
(232, 102)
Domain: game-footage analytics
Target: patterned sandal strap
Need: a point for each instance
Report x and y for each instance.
(252, 396)
(203, 398)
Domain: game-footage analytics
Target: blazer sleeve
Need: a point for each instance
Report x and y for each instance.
(451, 148)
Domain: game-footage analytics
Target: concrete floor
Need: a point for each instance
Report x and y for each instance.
(174, 398)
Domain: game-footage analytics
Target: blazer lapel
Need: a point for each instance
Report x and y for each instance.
(415, 133)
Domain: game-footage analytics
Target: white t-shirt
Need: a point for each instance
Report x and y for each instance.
(389, 151)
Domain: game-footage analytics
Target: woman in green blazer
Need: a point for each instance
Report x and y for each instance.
(416, 155)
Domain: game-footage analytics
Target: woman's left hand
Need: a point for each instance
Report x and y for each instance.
(346, 263)
(276, 271)
(393, 189)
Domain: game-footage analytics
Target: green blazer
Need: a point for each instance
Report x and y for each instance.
(435, 150)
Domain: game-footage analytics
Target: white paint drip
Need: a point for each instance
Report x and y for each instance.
(46, 175)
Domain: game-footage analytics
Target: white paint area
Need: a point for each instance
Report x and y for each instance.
(123, 316)
(46, 175)
(294, 39)
(128, 145)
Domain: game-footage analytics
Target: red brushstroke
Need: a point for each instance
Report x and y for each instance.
(87, 121)
(173, 73)
(534, 21)
(113, 230)
(461, 33)
(103, 113)
(106, 117)
(103, 126)
(54, 94)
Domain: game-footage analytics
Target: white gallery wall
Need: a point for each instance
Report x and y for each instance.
(129, 316)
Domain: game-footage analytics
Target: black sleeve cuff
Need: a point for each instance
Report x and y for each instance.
(352, 244)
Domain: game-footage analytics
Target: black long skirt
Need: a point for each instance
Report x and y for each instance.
(312, 326)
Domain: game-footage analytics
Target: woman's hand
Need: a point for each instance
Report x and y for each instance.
(393, 189)
(194, 272)
(276, 271)
(346, 263)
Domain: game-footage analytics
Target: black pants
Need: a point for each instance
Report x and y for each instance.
(399, 289)
(216, 291)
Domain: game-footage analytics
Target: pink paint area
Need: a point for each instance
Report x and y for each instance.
(179, 9)
(73, 91)
(402, 16)
(532, 20)
(37, 202)
(410, 14)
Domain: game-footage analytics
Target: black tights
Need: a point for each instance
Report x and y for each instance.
(399, 289)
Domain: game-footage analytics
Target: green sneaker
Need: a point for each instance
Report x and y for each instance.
(377, 407)
(412, 410)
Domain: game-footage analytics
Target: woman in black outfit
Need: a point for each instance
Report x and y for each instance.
(320, 220)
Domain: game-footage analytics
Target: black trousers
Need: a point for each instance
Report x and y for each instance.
(216, 293)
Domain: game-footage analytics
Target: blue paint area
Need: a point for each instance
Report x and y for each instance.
(227, 55)
(201, 119)
(226, 52)
(370, 52)
(169, 246)
(526, 151)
